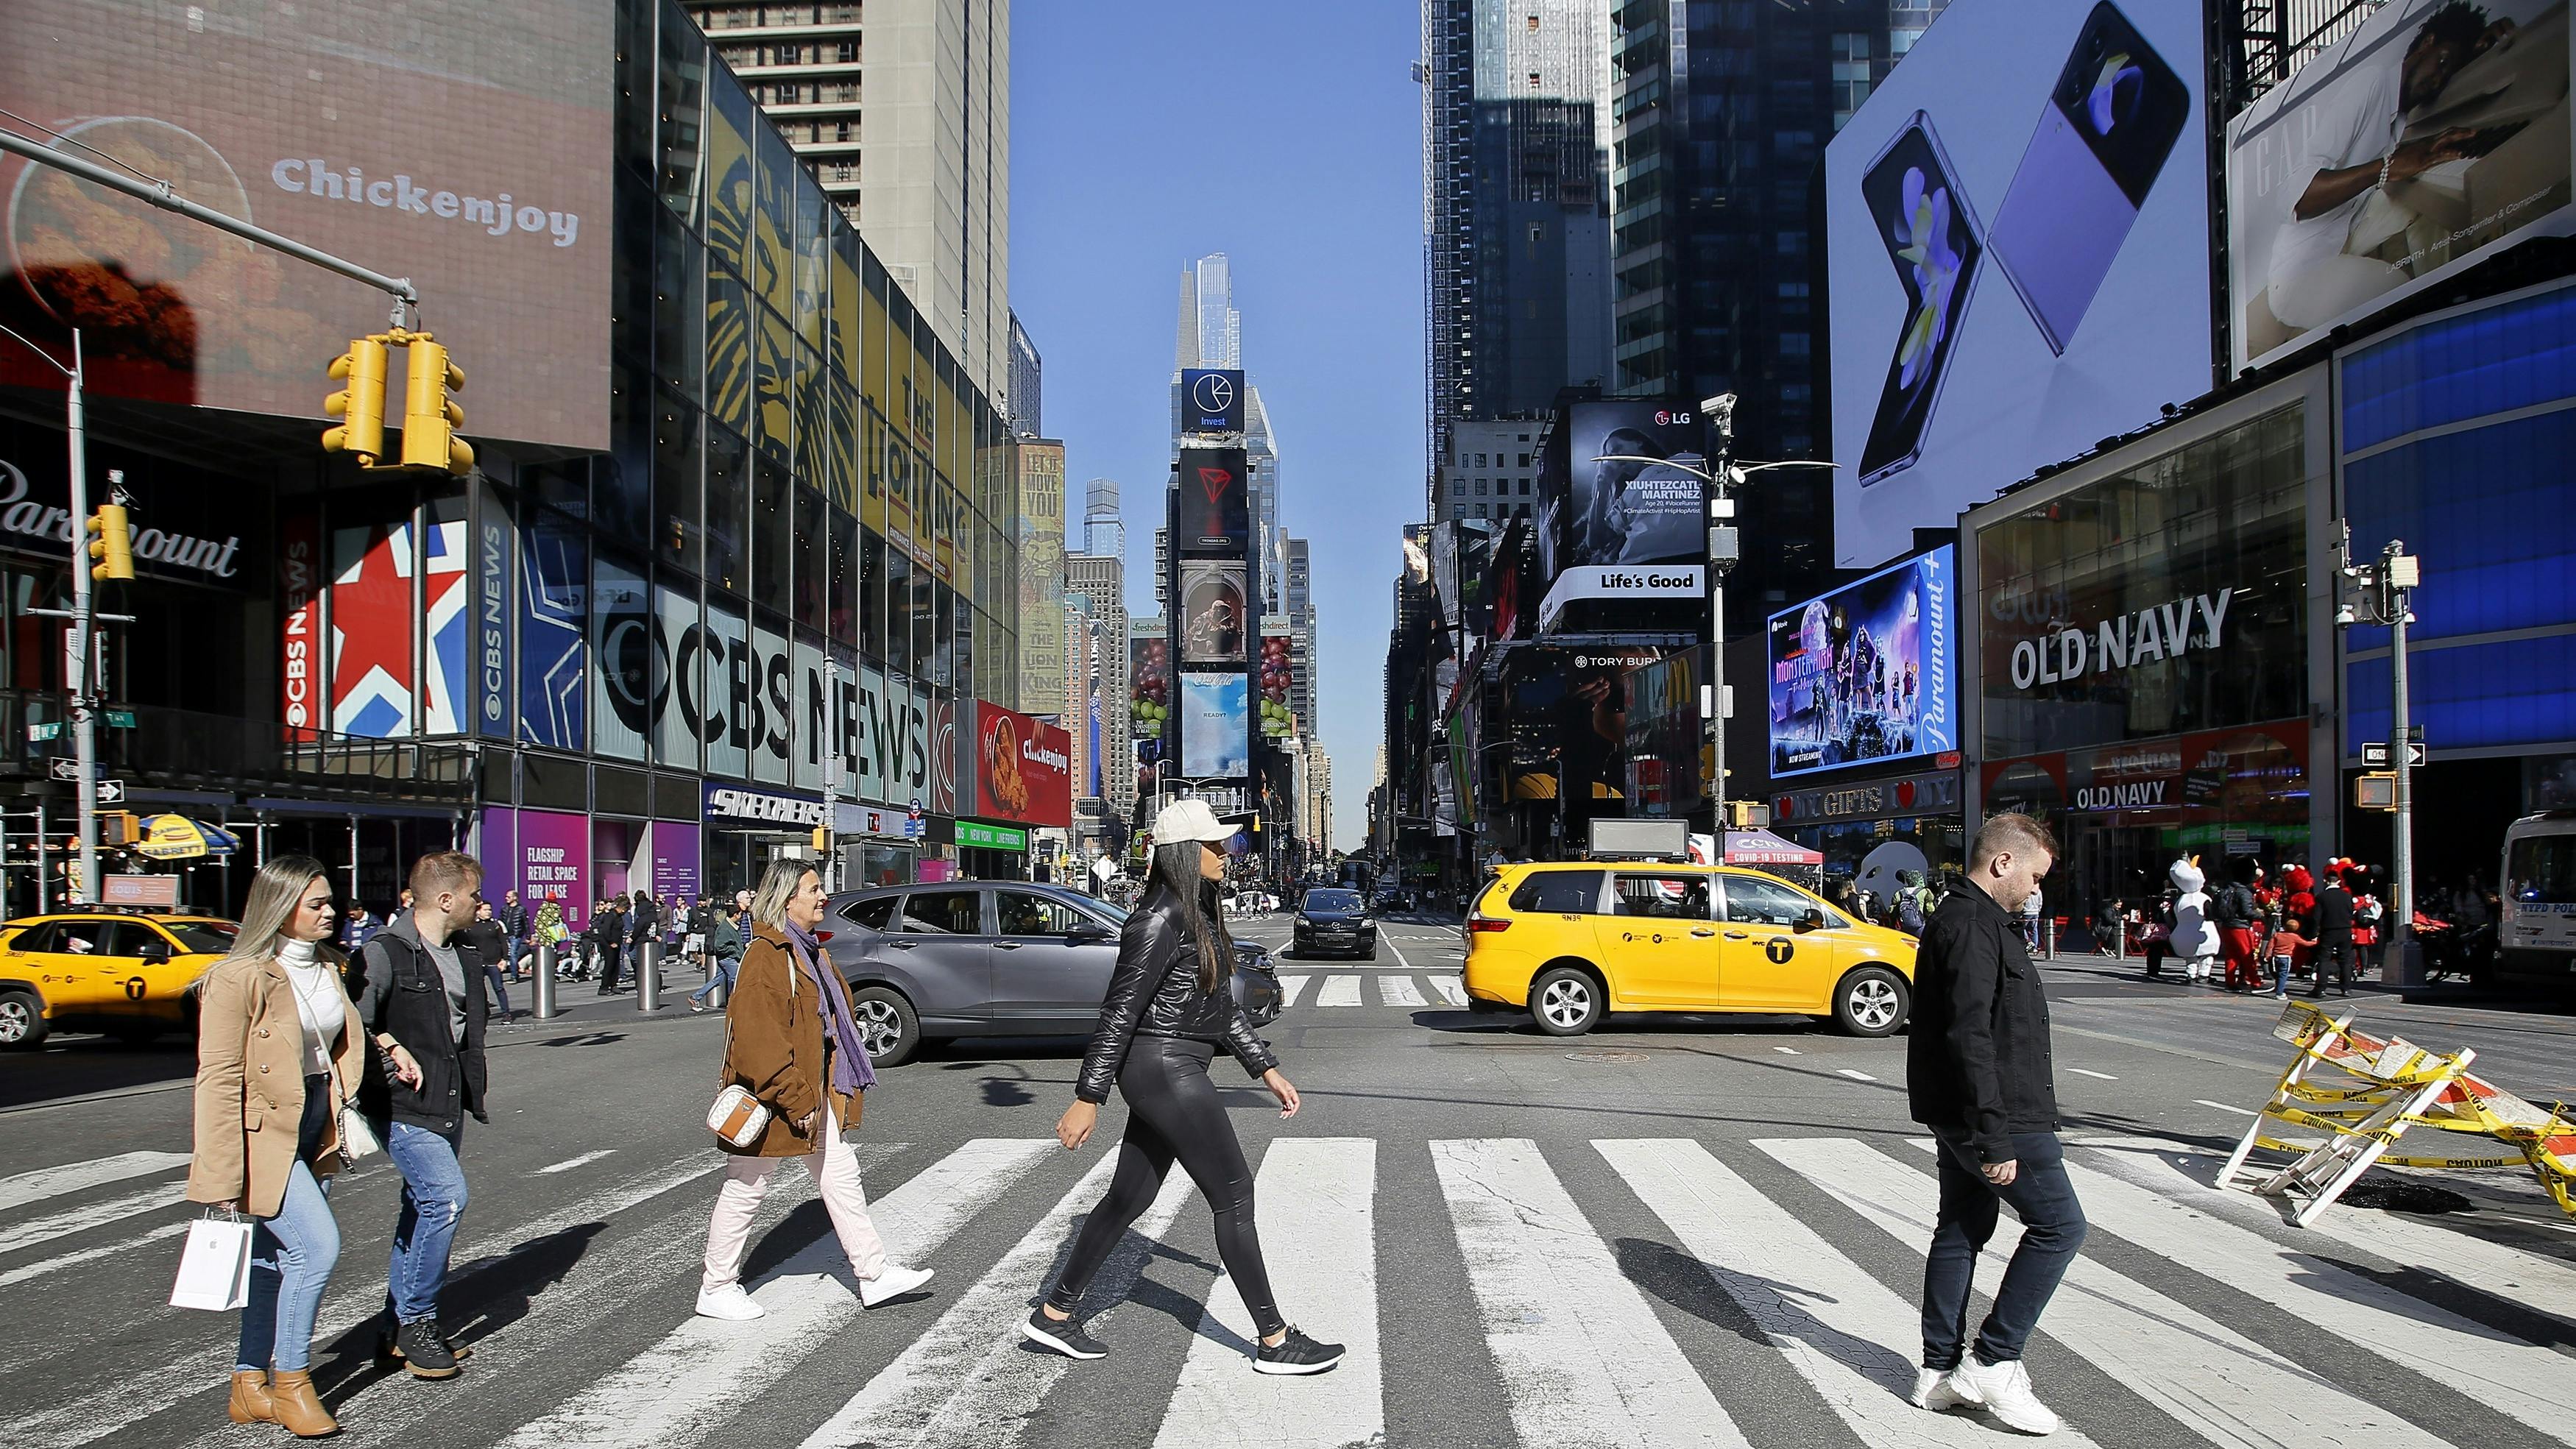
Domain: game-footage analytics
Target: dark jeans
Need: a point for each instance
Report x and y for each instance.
(2052, 1229)
(500, 982)
(611, 956)
(2333, 948)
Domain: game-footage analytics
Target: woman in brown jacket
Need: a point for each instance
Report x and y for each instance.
(793, 1043)
(279, 1048)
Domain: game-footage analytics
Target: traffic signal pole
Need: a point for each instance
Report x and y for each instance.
(82, 654)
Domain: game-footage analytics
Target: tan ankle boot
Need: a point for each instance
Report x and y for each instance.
(250, 1403)
(298, 1407)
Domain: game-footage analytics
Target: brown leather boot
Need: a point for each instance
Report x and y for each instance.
(298, 1407)
(250, 1403)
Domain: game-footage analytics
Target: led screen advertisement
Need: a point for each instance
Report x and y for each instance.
(1866, 672)
(1620, 486)
(1211, 400)
(1023, 768)
(1212, 614)
(2433, 135)
(461, 145)
(1215, 502)
(1216, 726)
(2017, 234)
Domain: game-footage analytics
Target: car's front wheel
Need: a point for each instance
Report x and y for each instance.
(1565, 1001)
(888, 1026)
(1871, 1001)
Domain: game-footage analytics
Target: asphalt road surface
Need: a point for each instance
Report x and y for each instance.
(1675, 1231)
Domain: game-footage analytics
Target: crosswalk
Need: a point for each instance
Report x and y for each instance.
(1304, 989)
(1605, 1291)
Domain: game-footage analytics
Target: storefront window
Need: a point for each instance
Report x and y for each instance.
(2169, 597)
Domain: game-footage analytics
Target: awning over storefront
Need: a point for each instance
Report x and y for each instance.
(176, 837)
(1761, 847)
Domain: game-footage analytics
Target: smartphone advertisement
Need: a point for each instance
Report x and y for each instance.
(1865, 673)
(2432, 136)
(2018, 255)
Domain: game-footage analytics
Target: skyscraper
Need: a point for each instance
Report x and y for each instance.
(1211, 331)
(1516, 205)
(1027, 384)
(1722, 112)
(1100, 581)
(1210, 334)
(933, 197)
(1104, 531)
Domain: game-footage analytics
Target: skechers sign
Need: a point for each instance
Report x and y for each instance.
(2165, 631)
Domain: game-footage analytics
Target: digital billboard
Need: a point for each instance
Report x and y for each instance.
(1211, 400)
(1216, 726)
(1216, 502)
(1867, 672)
(462, 145)
(2435, 134)
(1620, 486)
(1023, 768)
(1567, 712)
(1212, 618)
(2017, 228)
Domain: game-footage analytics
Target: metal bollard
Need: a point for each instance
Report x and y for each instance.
(545, 982)
(715, 987)
(648, 977)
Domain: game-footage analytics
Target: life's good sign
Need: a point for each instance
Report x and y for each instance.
(2166, 631)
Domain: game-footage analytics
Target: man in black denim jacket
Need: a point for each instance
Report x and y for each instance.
(1978, 1070)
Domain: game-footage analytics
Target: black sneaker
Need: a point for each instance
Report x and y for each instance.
(1295, 1354)
(423, 1352)
(1064, 1335)
(389, 1350)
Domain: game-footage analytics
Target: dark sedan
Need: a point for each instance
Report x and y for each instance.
(1333, 919)
(991, 958)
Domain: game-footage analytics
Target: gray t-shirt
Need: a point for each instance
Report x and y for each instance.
(451, 973)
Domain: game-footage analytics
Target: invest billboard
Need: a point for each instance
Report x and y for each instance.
(2017, 230)
(462, 145)
(1868, 671)
(2435, 134)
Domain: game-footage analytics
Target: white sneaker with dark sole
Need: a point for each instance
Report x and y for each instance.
(891, 1284)
(2004, 1390)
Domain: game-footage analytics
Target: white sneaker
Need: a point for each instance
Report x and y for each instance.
(2004, 1389)
(729, 1302)
(891, 1284)
(1938, 1390)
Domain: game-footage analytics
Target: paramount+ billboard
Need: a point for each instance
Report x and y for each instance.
(464, 146)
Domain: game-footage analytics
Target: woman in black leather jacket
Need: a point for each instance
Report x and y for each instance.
(1170, 1005)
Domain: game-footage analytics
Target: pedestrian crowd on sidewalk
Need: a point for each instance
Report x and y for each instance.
(2255, 930)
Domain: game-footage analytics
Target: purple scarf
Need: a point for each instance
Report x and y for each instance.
(851, 1071)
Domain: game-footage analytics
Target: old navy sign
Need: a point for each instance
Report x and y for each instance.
(2165, 631)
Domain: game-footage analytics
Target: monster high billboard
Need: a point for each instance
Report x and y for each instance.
(1865, 673)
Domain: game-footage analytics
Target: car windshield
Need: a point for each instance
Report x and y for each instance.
(1332, 900)
(210, 938)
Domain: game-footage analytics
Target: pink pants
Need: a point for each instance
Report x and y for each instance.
(836, 1177)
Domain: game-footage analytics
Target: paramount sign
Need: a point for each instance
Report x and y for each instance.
(27, 518)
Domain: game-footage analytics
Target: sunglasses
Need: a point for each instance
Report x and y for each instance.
(1233, 844)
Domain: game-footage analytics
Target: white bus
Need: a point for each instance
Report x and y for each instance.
(2537, 937)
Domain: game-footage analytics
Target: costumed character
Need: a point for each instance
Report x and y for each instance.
(2194, 938)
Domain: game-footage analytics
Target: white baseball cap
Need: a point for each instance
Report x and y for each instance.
(1190, 820)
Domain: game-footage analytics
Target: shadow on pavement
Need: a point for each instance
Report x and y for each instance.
(78, 1066)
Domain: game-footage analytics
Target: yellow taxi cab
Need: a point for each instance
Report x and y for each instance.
(1570, 942)
(125, 974)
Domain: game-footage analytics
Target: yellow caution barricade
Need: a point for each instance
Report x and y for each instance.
(2364, 1092)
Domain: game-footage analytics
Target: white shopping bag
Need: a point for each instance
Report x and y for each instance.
(214, 1270)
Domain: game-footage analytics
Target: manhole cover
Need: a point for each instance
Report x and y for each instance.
(1605, 1056)
(2396, 1194)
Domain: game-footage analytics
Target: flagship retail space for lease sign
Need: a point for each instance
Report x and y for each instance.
(462, 145)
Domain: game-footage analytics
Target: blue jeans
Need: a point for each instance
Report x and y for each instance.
(433, 1199)
(719, 974)
(292, 1255)
(2052, 1229)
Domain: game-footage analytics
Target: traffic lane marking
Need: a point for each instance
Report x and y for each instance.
(1854, 1073)
(569, 1163)
(2223, 1107)
(20, 1189)
(2089, 1072)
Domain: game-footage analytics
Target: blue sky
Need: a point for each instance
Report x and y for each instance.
(1144, 134)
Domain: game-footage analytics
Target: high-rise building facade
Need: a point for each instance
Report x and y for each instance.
(1210, 334)
(923, 168)
(1722, 113)
(1304, 640)
(1027, 383)
(1104, 530)
(1488, 468)
(1100, 582)
(1516, 204)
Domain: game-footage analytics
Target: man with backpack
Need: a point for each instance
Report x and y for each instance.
(1913, 903)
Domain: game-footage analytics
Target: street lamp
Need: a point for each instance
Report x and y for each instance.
(2379, 593)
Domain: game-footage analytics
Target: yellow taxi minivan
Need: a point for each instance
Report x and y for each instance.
(125, 974)
(1571, 942)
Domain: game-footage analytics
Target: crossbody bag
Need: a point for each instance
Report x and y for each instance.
(738, 1118)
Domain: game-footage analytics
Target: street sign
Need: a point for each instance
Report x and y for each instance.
(120, 719)
(2376, 756)
(65, 769)
(111, 792)
(51, 730)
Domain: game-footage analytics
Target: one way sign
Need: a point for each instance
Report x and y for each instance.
(2375, 756)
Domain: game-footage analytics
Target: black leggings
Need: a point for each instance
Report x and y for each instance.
(1173, 1112)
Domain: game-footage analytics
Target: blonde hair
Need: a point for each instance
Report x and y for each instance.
(275, 893)
(778, 885)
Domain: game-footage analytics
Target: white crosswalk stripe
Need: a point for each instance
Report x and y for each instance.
(29, 1232)
(1338, 991)
(1313, 1199)
(1450, 990)
(1399, 991)
(1292, 986)
(2218, 1383)
(1587, 1347)
(1582, 1356)
(20, 1189)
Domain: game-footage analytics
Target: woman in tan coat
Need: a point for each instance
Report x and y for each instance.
(793, 1043)
(278, 1049)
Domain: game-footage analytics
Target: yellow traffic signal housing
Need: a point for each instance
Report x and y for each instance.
(822, 839)
(111, 543)
(360, 402)
(430, 420)
(119, 827)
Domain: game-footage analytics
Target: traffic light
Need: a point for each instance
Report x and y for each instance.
(822, 840)
(111, 543)
(360, 402)
(429, 420)
(119, 827)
